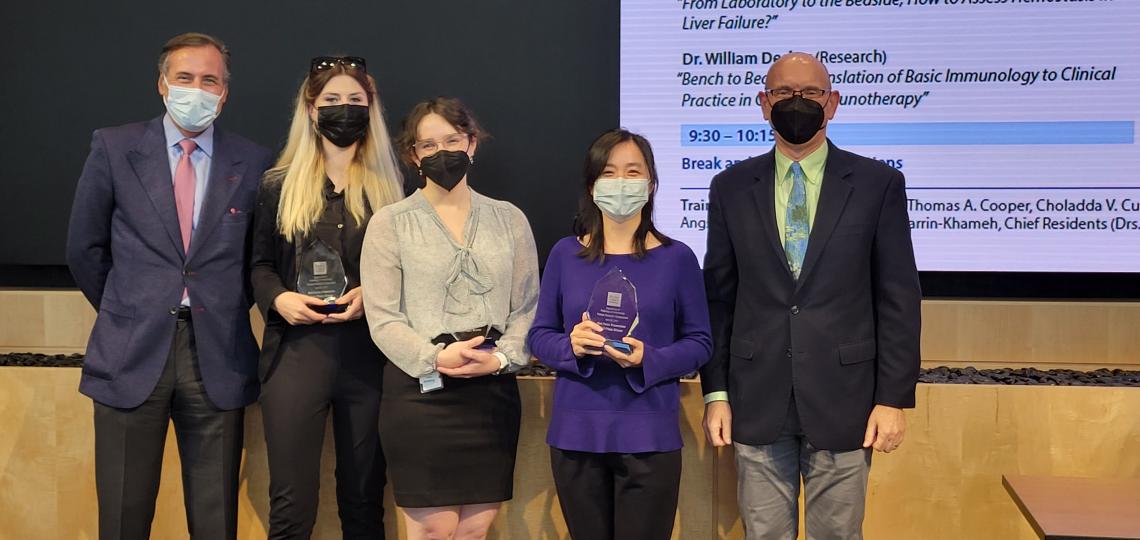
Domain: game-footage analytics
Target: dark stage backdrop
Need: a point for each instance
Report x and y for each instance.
(542, 76)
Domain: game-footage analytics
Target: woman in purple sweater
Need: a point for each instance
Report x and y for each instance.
(615, 438)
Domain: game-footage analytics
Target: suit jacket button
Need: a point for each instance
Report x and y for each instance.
(788, 352)
(174, 311)
(795, 310)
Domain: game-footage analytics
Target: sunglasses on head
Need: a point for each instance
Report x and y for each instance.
(322, 63)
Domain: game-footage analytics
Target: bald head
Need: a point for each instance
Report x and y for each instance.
(798, 70)
(794, 76)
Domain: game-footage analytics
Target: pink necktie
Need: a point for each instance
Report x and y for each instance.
(184, 191)
(184, 195)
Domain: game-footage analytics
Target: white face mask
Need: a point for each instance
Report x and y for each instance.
(621, 198)
(193, 109)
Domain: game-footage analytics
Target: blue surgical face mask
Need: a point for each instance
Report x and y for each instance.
(193, 109)
(621, 198)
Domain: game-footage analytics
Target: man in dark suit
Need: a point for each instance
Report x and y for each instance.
(814, 300)
(158, 243)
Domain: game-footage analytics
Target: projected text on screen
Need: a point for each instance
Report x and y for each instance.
(1014, 121)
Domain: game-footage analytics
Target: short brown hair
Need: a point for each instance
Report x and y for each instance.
(193, 39)
(451, 109)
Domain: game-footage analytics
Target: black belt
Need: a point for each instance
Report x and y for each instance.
(183, 313)
(447, 339)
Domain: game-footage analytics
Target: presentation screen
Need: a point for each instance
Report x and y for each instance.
(1014, 121)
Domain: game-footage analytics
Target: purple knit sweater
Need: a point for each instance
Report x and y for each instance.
(598, 405)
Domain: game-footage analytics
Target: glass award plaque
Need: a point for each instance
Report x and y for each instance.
(485, 331)
(320, 274)
(613, 305)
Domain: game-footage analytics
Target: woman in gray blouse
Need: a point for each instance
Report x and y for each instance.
(451, 284)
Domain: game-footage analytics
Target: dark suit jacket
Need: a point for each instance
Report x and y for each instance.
(845, 336)
(274, 271)
(272, 265)
(125, 251)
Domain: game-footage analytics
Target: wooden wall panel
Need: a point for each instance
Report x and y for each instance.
(944, 483)
(48, 321)
(1082, 335)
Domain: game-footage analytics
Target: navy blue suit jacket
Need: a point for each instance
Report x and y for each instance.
(845, 336)
(125, 251)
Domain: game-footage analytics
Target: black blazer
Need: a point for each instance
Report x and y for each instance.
(273, 270)
(845, 336)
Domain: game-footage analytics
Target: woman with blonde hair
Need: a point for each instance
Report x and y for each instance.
(337, 169)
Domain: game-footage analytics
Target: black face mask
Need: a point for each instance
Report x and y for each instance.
(796, 119)
(446, 168)
(343, 125)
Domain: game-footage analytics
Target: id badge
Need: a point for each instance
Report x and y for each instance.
(431, 383)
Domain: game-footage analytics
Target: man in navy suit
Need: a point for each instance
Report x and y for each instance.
(814, 300)
(158, 243)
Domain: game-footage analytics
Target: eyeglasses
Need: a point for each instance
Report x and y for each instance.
(785, 93)
(455, 141)
(321, 63)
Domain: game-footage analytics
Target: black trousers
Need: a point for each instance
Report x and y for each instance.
(321, 368)
(610, 496)
(129, 445)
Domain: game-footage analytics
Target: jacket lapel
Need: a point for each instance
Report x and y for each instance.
(833, 195)
(225, 177)
(151, 164)
(763, 193)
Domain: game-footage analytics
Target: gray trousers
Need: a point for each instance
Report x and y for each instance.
(768, 487)
(129, 444)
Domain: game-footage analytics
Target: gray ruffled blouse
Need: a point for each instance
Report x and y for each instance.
(418, 282)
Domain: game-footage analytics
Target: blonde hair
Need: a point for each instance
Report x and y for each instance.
(374, 175)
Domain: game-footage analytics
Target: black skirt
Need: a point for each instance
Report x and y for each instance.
(453, 446)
